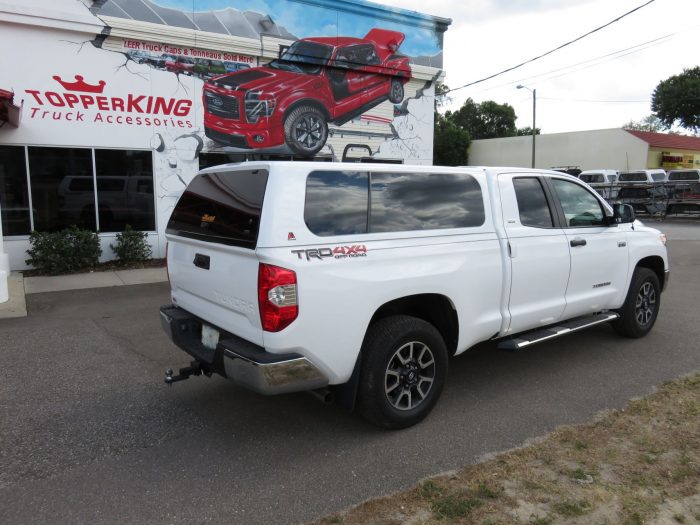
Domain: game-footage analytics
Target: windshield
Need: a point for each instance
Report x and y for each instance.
(303, 57)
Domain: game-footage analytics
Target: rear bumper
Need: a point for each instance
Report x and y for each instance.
(241, 361)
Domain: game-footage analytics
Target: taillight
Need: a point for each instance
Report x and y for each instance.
(277, 297)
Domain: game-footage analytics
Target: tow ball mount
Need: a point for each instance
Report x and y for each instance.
(195, 369)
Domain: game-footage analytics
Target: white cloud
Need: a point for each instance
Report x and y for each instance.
(487, 36)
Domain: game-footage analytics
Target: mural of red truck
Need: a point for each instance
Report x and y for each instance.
(314, 82)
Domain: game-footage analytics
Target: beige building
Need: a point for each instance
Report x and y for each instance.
(603, 148)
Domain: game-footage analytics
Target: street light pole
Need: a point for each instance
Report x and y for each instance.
(534, 113)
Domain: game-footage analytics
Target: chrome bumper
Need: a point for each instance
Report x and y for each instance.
(241, 361)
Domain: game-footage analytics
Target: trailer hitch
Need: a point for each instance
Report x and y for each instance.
(195, 369)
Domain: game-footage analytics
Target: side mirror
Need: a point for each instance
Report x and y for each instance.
(623, 213)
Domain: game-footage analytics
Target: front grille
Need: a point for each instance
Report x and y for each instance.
(236, 141)
(222, 105)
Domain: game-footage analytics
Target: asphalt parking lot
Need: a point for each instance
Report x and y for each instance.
(89, 432)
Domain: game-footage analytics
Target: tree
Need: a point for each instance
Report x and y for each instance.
(677, 100)
(451, 143)
(486, 120)
(442, 96)
(648, 123)
(526, 131)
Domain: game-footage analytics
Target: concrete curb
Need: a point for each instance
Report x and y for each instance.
(19, 286)
(16, 306)
(82, 281)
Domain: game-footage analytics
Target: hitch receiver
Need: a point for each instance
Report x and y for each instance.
(195, 369)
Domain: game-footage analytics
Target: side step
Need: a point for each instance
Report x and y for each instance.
(530, 338)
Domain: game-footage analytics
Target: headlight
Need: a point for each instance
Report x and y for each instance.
(257, 105)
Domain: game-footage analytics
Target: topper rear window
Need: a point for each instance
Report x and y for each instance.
(221, 207)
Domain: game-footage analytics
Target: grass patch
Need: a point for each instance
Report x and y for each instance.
(571, 509)
(454, 507)
(624, 468)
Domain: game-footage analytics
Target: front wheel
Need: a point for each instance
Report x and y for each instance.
(305, 130)
(638, 313)
(404, 366)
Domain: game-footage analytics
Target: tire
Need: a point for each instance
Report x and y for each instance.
(305, 130)
(641, 307)
(404, 366)
(396, 91)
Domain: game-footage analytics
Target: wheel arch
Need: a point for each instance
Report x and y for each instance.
(436, 309)
(307, 102)
(656, 264)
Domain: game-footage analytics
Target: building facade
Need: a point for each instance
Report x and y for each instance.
(123, 101)
(615, 148)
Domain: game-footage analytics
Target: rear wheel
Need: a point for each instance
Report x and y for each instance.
(403, 371)
(638, 313)
(396, 91)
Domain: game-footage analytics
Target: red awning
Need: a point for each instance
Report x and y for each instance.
(9, 112)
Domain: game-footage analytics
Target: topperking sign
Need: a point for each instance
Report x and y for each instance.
(81, 101)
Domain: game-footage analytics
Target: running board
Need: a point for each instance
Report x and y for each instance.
(531, 338)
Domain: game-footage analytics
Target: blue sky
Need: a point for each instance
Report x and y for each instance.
(306, 20)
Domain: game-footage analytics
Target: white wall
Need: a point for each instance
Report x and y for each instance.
(603, 148)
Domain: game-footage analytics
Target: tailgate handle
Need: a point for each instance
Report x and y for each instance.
(201, 261)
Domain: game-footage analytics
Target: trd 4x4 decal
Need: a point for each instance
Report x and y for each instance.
(337, 252)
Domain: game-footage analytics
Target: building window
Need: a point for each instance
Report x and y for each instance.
(62, 188)
(14, 197)
(124, 189)
(63, 193)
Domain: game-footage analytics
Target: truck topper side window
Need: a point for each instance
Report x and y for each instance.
(336, 202)
(532, 203)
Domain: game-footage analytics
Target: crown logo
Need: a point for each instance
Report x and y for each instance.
(80, 85)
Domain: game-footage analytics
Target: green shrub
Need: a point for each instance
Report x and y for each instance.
(66, 251)
(131, 246)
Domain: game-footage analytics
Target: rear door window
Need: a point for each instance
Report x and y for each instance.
(532, 203)
(221, 207)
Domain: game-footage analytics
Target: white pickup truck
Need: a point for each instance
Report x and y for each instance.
(360, 281)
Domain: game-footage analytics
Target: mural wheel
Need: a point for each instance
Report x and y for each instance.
(305, 130)
(396, 91)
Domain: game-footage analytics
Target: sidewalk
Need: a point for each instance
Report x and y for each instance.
(20, 285)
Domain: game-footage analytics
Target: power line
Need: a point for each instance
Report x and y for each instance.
(552, 50)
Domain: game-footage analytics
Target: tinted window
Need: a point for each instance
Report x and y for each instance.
(221, 207)
(684, 175)
(54, 172)
(125, 190)
(657, 177)
(424, 201)
(637, 176)
(14, 197)
(592, 177)
(207, 160)
(532, 203)
(612, 178)
(581, 208)
(336, 202)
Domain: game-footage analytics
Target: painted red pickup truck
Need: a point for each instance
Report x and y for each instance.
(314, 82)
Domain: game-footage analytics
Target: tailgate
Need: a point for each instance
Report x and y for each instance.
(212, 236)
(218, 284)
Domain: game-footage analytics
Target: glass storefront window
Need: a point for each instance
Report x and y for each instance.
(14, 197)
(62, 188)
(125, 189)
